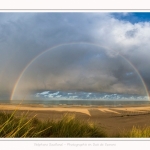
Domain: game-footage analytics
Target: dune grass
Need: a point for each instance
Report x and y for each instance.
(136, 132)
(68, 126)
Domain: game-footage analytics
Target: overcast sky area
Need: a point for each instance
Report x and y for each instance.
(83, 67)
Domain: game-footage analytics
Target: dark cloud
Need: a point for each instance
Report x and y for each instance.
(80, 67)
(131, 33)
(23, 36)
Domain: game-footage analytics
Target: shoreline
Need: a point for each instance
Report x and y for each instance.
(76, 108)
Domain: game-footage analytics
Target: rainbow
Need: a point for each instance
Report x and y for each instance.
(23, 71)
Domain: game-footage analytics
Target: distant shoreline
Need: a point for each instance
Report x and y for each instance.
(75, 103)
(71, 107)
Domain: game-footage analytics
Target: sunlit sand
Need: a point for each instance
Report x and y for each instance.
(111, 118)
(60, 109)
(80, 109)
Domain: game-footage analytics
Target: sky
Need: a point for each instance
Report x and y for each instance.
(95, 51)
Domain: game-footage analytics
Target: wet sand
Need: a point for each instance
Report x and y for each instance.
(113, 119)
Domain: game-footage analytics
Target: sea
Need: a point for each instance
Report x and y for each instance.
(80, 98)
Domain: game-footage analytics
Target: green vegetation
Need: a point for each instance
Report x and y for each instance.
(68, 126)
(136, 132)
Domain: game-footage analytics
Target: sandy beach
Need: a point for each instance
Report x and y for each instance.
(113, 119)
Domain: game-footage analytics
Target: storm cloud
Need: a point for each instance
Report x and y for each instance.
(23, 36)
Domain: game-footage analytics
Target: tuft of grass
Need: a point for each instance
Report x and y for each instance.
(136, 132)
(68, 126)
(139, 132)
(10, 126)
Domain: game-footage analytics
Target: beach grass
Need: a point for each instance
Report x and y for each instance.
(68, 126)
(136, 132)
